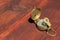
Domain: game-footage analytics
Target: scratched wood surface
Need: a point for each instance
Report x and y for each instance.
(14, 19)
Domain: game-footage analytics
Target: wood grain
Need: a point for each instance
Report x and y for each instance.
(14, 16)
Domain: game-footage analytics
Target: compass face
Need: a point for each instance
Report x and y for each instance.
(42, 25)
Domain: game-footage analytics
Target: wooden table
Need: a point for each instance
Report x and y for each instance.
(15, 24)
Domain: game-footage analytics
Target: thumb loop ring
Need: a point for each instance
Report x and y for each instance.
(50, 33)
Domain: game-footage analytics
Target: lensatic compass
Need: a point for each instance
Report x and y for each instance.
(42, 24)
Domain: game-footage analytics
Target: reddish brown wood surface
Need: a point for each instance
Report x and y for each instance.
(14, 15)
